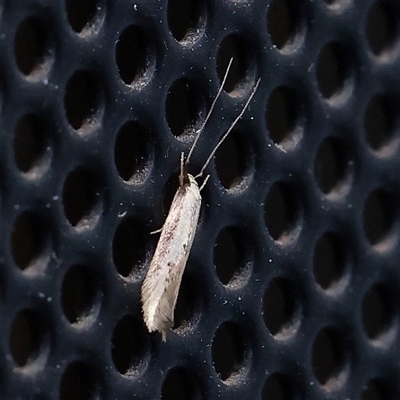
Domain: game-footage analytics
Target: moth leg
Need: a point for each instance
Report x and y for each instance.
(157, 231)
(204, 182)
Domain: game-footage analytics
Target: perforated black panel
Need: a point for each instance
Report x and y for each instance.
(292, 289)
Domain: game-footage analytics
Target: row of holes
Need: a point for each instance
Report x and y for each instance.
(333, 67)
(285, 20)
(284, 113)
(80, 299)
(230, 351)
(179, 384)
(30, 242)
(31, 144)
(185, 18)
(32, 150)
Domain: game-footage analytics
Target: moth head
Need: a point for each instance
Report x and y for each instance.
(192, 180)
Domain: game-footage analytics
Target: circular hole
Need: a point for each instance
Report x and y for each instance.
(132, 55)
(31, 46)
(281, 308)
(81, 198)
(78, 293)
(78, 382)
(26, 337)
(129, 248)
(243, 66)
(183, 108)
(81, 14)
(382, 26)
(380, 211)
(328, 359)
(329, 261)
(128, 345)
(282, 117)
(188, 305)
(29, 143)
(29, 242)
(185, 18)
(376, 389)
(131, 152)
(81, 102)
(281, 213)
(283, 21)
(331, 167)
(332, 70)
(232, 160)
(377, 311)
(180, 385)
(232, 257)
(229, 352)
(278, 387)
(381, 120)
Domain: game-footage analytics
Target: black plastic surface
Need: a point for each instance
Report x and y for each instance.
(292, 289)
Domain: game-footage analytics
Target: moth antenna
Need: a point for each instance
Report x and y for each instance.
(182, 172)
(210, 110)
(230, 129)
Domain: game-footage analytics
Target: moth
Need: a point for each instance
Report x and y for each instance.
(160, 287)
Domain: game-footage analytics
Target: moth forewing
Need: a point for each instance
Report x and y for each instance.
(161, 286)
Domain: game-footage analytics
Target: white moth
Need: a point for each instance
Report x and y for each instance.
(161, 286)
